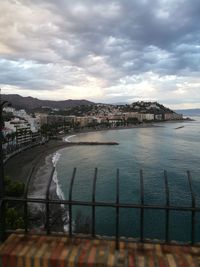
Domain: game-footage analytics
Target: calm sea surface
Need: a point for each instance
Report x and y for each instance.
(153, 150)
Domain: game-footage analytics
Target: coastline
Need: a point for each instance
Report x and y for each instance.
(19, 166)
(41, 157)
(144, 125)
(37, 189)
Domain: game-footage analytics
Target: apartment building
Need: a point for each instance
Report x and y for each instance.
(22, 129)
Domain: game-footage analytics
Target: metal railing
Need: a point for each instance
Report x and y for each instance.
(117, 205)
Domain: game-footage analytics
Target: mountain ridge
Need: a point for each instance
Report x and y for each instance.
(31, 103)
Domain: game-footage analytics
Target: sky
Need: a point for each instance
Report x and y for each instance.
(107, 51)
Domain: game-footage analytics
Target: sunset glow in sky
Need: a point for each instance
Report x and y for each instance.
(105, 51)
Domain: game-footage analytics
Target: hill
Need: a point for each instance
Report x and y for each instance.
(31, 103)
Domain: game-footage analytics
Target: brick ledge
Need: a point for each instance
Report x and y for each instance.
(21, 250)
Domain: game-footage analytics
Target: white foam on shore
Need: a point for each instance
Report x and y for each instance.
(59, 192)
(66, 139)
(55, 159)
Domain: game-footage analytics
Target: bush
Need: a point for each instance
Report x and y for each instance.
(13, 211)
(14, 220)
(13, 188)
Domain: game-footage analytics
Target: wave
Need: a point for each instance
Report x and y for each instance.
(59, 192)
(55, 159)
(66, 139)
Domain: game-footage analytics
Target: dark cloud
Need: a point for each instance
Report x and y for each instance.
(132, 48)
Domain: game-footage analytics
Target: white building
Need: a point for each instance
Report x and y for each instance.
(136, 115)
(8, 109)
(148, 117)
(34, 123)
(25, 133)
(20, 113)
(22, 130)
(172, 116)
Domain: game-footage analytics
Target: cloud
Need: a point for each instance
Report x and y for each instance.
(101, 50)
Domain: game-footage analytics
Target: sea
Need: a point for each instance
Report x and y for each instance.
(171, 147)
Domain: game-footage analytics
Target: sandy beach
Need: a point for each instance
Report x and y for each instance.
(40, 158)
(20, 166)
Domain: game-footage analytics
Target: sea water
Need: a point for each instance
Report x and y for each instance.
(152, 149)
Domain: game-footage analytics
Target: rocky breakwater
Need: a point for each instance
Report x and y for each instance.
(95, 143)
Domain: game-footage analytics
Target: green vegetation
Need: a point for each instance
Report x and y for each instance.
(14, 218)
(13, 188)
(49, 130)
(7, 116)
(132, 121)
(14, 211)
(77, 110)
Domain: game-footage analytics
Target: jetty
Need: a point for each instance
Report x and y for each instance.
(180, 127)
(94, 143)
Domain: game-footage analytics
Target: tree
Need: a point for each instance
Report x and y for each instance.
(14, 220)
(13, 188)
(14, 215)
(132, 121)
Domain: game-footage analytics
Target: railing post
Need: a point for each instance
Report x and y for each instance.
(193, 208)
(117, 212)
(2, 220)
(142, 209)
(26, 202)
(93, 201)
(2, 203)
(167, 206)
(47, 224)
(70, 201)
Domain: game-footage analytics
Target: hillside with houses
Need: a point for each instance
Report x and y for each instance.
(24, 127)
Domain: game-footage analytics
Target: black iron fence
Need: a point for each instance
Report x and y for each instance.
(93, 204)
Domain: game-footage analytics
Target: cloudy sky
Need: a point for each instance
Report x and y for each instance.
(102, 50)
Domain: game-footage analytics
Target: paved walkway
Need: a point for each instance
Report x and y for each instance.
(21, 250)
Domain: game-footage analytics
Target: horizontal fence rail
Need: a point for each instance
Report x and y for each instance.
(93, 204)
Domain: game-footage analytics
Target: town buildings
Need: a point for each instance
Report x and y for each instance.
(25, 128)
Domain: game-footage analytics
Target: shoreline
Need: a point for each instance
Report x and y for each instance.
(154, 124)
(41, 157)
(20, 165)
(85, 131)
(38, 188)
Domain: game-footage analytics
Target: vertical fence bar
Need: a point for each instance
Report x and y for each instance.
(193, 206)
(167, 205)
(142, 209)
(93, 200)
(117, 212)
(26, 202)
(47, 224)
(2, 182)
(70, 199)
(2, 220)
